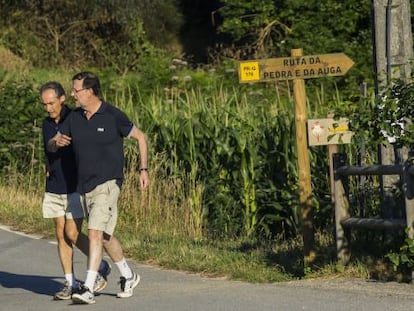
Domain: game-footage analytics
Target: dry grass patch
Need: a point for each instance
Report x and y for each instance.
(22, 210)
(11, 62)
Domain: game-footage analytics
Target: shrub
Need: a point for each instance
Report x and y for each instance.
(20, 126)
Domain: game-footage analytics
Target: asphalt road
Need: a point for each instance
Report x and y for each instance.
(30, 273)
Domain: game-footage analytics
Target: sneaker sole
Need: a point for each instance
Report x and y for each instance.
(126, 295)
(101, 288)
(61, 297)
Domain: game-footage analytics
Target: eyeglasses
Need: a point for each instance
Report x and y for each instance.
(75, 91)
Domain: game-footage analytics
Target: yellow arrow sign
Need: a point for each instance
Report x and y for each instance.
(300, 67)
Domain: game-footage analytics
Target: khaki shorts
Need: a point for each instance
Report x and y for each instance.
(101, 205)
(58, 205)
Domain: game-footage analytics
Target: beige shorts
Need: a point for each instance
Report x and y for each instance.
(58, 205)
(101, 204)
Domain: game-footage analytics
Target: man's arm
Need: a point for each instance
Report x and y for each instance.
(139, 136)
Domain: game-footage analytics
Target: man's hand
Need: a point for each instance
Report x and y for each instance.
(58, 141)
(62, 140)
(144, 180)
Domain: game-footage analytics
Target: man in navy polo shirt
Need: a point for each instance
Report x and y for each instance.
(96, 131)
(61, 201)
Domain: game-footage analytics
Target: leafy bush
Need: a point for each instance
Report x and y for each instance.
(403, 259)
(384, 118)
(392, 114)
(20, 125)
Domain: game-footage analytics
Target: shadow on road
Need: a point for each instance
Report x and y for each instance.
(44, 285)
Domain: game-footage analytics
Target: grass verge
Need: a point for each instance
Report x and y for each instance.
(252, 261)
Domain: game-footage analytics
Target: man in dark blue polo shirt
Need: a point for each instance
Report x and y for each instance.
(61, 201)
(96, 131)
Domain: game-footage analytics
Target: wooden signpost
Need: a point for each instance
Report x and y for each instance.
(297, 68)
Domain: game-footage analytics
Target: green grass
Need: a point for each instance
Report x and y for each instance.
(212, 258)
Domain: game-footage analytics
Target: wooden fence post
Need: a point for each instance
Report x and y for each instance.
(341, 210)
(408, 186)
(408, 177)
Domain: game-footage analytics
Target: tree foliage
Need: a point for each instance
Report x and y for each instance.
(79, 33)
(389, 117)
(271, 28)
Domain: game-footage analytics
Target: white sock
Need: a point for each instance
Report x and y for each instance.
(124, 269)
(70, 278)
(90, 279)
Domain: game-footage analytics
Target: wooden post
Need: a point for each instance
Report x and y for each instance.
(305, 191)
(408, 178)
(408, 186)
(341, 211)
(332, 149)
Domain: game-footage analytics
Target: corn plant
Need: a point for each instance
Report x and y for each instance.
(222, 142)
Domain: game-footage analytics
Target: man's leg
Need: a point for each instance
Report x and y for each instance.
(113, 248)
(54, 206)
(75, 214)
(85, 294)
(73, 229)
(102, 208)
(65, 249)
(65, 252)
(95, 254)
(129, 279)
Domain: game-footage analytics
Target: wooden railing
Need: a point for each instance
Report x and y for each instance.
(344, 222)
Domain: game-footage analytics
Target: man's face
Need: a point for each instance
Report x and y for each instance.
(79, 93)
(52, 104)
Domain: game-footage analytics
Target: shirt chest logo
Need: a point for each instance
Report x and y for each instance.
(100, 129)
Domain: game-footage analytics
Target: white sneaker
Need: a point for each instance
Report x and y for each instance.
(83, 296)
(128, 285)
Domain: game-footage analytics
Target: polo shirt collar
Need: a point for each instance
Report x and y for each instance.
(100, 110)
(64, 113)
